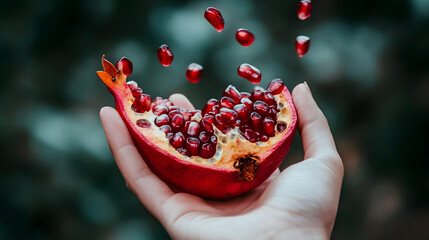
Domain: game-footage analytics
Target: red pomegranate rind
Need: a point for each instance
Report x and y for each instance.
(203, 180)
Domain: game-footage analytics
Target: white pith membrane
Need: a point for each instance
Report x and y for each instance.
(229, 146)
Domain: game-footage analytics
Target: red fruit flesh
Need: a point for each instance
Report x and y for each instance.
(244, 37)
(194, 72)
(219, 152)
(165, 55)
(249, 72)
(214, 17)
(302, 44)
(304, 9)
(125, 65)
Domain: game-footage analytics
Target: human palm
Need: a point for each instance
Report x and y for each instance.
(298, 203)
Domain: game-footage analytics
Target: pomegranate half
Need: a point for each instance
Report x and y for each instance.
(230, 147)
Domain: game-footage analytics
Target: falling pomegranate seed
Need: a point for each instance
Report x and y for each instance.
(304, 9)
(302, 44)
(232, 93)
(125, 66)
(208, 150)
(281, 126)
(143, 123)
(276, 86)
(244, 37)
(165, 55)
(193, 145)
(249, 72)
(194, 72)
(226, 102)
(214, 17)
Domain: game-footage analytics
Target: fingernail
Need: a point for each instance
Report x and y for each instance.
(308, 88)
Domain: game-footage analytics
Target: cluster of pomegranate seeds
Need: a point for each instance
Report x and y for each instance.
(304, 9)
(214, 17)
(244, 37)
(302, 44)
(125, 65)
(249, 72)
(194, 72)
(165, 55)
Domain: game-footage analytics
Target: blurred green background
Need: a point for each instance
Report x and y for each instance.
(367, 68)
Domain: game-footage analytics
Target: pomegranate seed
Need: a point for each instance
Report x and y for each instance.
(160, 109)
(230, 116)
(304, 9)
(169, 136)
(204, 136)
(212, 102)
(214, 110)
(250, 135)
(247, 102)
(261, 108)
(244, 37)
(193, 146)
(226, 130)
(162, 120)
(165, 55)
(255, 121)
(193, 130)
(193, 112)
(302, 44)
(178, 140)
(166, 129)
(242, 111)
(143, 123)
(171, 114)
(281, 126)
(206, 123)
(208, 150)
(268, 98)
(276, 86)
(257, 94)
(184, 151)
(272, 112)
(226, 102)
(177, 122)
(136, 92)
(173, 108)
(194, 72)
(219, 122)
(131, 85)
(245, 95)
(143, 102)
(263, 138)
(232, 93)
(213, 139)
(249, 72)
(214, 17)
(125, 66)
(186, 115)
(237, 123)
(268, 126)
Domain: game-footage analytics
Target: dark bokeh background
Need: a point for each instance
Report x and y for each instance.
(367, 68)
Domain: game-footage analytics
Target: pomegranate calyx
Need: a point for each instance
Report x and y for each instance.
(109, 67)
(247, 166)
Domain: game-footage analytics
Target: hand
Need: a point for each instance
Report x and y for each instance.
(299, 203)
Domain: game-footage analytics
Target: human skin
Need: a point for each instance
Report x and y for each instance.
(300, 202)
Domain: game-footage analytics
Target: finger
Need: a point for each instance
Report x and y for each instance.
(181, 101)
(316, 136)
(151, 191)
